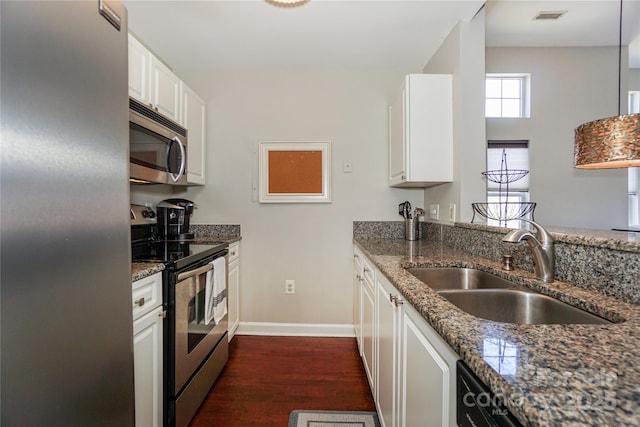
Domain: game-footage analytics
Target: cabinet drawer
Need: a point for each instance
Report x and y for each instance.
(146, 295)
(234, 251)
(368, 271)
(357, 260)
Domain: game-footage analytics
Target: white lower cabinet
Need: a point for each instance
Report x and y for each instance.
(388, 352)
(233, 288)
(148, 317)
(414, 372)
(357, 295)
(427, 375)
(368, 331)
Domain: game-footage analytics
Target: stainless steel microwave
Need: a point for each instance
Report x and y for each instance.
(157, 147)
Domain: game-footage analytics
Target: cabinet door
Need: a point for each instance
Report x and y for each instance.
(421, 132)
(357, 298)
(139, 58)
(194, 115)
(429, 128)
(397, 155)
(387, 353)
(165, 90)
(234, 289)
(147, 356)
(426, 379)
(368, 322)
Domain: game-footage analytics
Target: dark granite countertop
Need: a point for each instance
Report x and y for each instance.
(551, 375)
(140, 270)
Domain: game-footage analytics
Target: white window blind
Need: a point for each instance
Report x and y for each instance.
(516, 158)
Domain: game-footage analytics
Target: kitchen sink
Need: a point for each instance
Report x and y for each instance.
(518, 306)
(459, 278)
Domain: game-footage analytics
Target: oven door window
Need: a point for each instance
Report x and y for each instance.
(197, 330)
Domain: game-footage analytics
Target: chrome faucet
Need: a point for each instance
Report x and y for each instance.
(542, 248)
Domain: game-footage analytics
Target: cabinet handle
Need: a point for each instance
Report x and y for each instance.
(139, 302)
(397, 301)
(356, 256)
(403, 178)
(366, 270)
(392, 298)
(233, 253)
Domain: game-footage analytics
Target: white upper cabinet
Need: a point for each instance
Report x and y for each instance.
(139, 59)
(421, 132)
(165, 90)
(153, 83)
(194, 114)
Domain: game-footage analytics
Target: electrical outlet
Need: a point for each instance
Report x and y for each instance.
(289, 286)
(452, 212)
(347, 166)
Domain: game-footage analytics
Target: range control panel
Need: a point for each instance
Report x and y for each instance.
(141, 215)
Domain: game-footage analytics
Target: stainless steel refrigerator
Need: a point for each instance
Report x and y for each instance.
(66, 325)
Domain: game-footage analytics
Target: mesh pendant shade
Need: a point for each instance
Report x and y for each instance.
(613, 142)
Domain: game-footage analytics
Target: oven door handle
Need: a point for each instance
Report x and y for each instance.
(196, 272)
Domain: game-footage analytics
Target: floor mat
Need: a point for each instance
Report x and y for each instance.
(301, 418)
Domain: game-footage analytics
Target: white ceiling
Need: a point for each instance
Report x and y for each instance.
(586, 23)
(320, 33)
(214, 34)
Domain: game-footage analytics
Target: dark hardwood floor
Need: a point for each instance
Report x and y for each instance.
(268, 377)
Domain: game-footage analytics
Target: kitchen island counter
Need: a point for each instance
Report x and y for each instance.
(550, 375)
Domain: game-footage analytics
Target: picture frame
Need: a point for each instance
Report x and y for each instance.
(295, 172)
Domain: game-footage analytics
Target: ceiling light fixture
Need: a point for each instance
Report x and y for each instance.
(613, 142)
(287, 3)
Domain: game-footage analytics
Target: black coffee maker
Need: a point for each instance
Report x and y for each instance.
(173, 219)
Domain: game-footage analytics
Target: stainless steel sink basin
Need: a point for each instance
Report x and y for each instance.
(518, 306)
(459, 278)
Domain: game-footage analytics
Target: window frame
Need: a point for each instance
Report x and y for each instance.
(524, 95)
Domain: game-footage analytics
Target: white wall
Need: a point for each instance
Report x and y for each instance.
(462, 54)
(310, 243)
(569, 86)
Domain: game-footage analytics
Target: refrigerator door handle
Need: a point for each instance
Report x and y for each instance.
(109, 14)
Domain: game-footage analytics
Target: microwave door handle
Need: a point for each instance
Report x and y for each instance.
(183, 158)
(196, 272)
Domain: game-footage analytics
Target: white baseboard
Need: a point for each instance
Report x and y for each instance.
(295, 329)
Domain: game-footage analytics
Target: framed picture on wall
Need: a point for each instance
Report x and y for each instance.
(295, 172)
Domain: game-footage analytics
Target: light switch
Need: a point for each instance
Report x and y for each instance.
(434, 211)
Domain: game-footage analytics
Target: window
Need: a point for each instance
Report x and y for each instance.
(507, 95)
(634, 173)
(511, 155)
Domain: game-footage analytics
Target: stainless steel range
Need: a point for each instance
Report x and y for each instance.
(194, 294)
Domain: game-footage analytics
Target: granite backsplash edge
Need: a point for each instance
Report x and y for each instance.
(608, 266)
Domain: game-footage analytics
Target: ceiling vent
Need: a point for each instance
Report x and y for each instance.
(544, 15)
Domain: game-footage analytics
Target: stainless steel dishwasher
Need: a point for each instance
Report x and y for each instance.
(476, 405)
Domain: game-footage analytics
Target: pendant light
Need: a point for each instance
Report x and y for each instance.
(613, 142)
